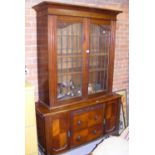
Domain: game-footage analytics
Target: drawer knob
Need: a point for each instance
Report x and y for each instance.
(94, 132)
(78, 138)
(79, 122)
(95, 117)
(87, 51)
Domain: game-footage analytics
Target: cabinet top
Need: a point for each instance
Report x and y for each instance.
(42, 109)
(75, 10)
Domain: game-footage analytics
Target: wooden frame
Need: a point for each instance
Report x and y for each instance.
(123, 93)
(75, 10)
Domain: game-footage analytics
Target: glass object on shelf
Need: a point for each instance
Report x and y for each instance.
(69, 60)
(98, 58)
(67, 91)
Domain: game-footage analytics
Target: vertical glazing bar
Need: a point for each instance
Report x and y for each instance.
(67, 67)
(93, 52)
(96, 51)
(86, 56)
(61, 60)
(107, 61)
(104, 42)
(106, 64)
(93, 37)
(72, 43)
(108, 32)
(77, 38)
(80, 50)
(102, 52)
(106, 70)
(100, 56)
(93, 47)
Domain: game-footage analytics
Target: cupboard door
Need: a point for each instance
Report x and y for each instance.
(87, 117)
(111, 116)
(99, 44)
(69, 57)
(59, 132)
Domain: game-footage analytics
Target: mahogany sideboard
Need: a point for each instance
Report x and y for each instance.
(75, 48)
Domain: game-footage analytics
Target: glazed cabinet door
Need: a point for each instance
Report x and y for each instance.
(99, 49)
(111, 116)
(69, 51)
(59, 128)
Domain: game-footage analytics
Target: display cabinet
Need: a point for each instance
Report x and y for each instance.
(75, 47)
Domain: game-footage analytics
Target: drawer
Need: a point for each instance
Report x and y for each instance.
(86, 117)
(86, 135)
(80, 121)
(95, 132)
(79, 137)
(95, 117)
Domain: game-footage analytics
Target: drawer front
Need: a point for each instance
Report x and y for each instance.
(79, 137)
(95, 117)
(87, 135)
(95, 132)
(86, 117)
(80, 121)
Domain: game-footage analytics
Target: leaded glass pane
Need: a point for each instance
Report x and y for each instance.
(69, 60)
(99, 58)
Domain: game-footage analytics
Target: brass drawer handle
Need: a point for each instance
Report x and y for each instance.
(78, 138)
(96, 117)
(79, 122)
(94, 132)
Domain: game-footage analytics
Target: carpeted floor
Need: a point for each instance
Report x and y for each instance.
(83, 150)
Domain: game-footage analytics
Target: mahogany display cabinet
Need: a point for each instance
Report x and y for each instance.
(75, 47)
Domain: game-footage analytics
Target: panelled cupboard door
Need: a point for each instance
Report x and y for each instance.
(59, 132)
(111, 116)
(99, 50)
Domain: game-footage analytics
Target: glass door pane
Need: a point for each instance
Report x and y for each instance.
(99, 58)
(69, 60)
